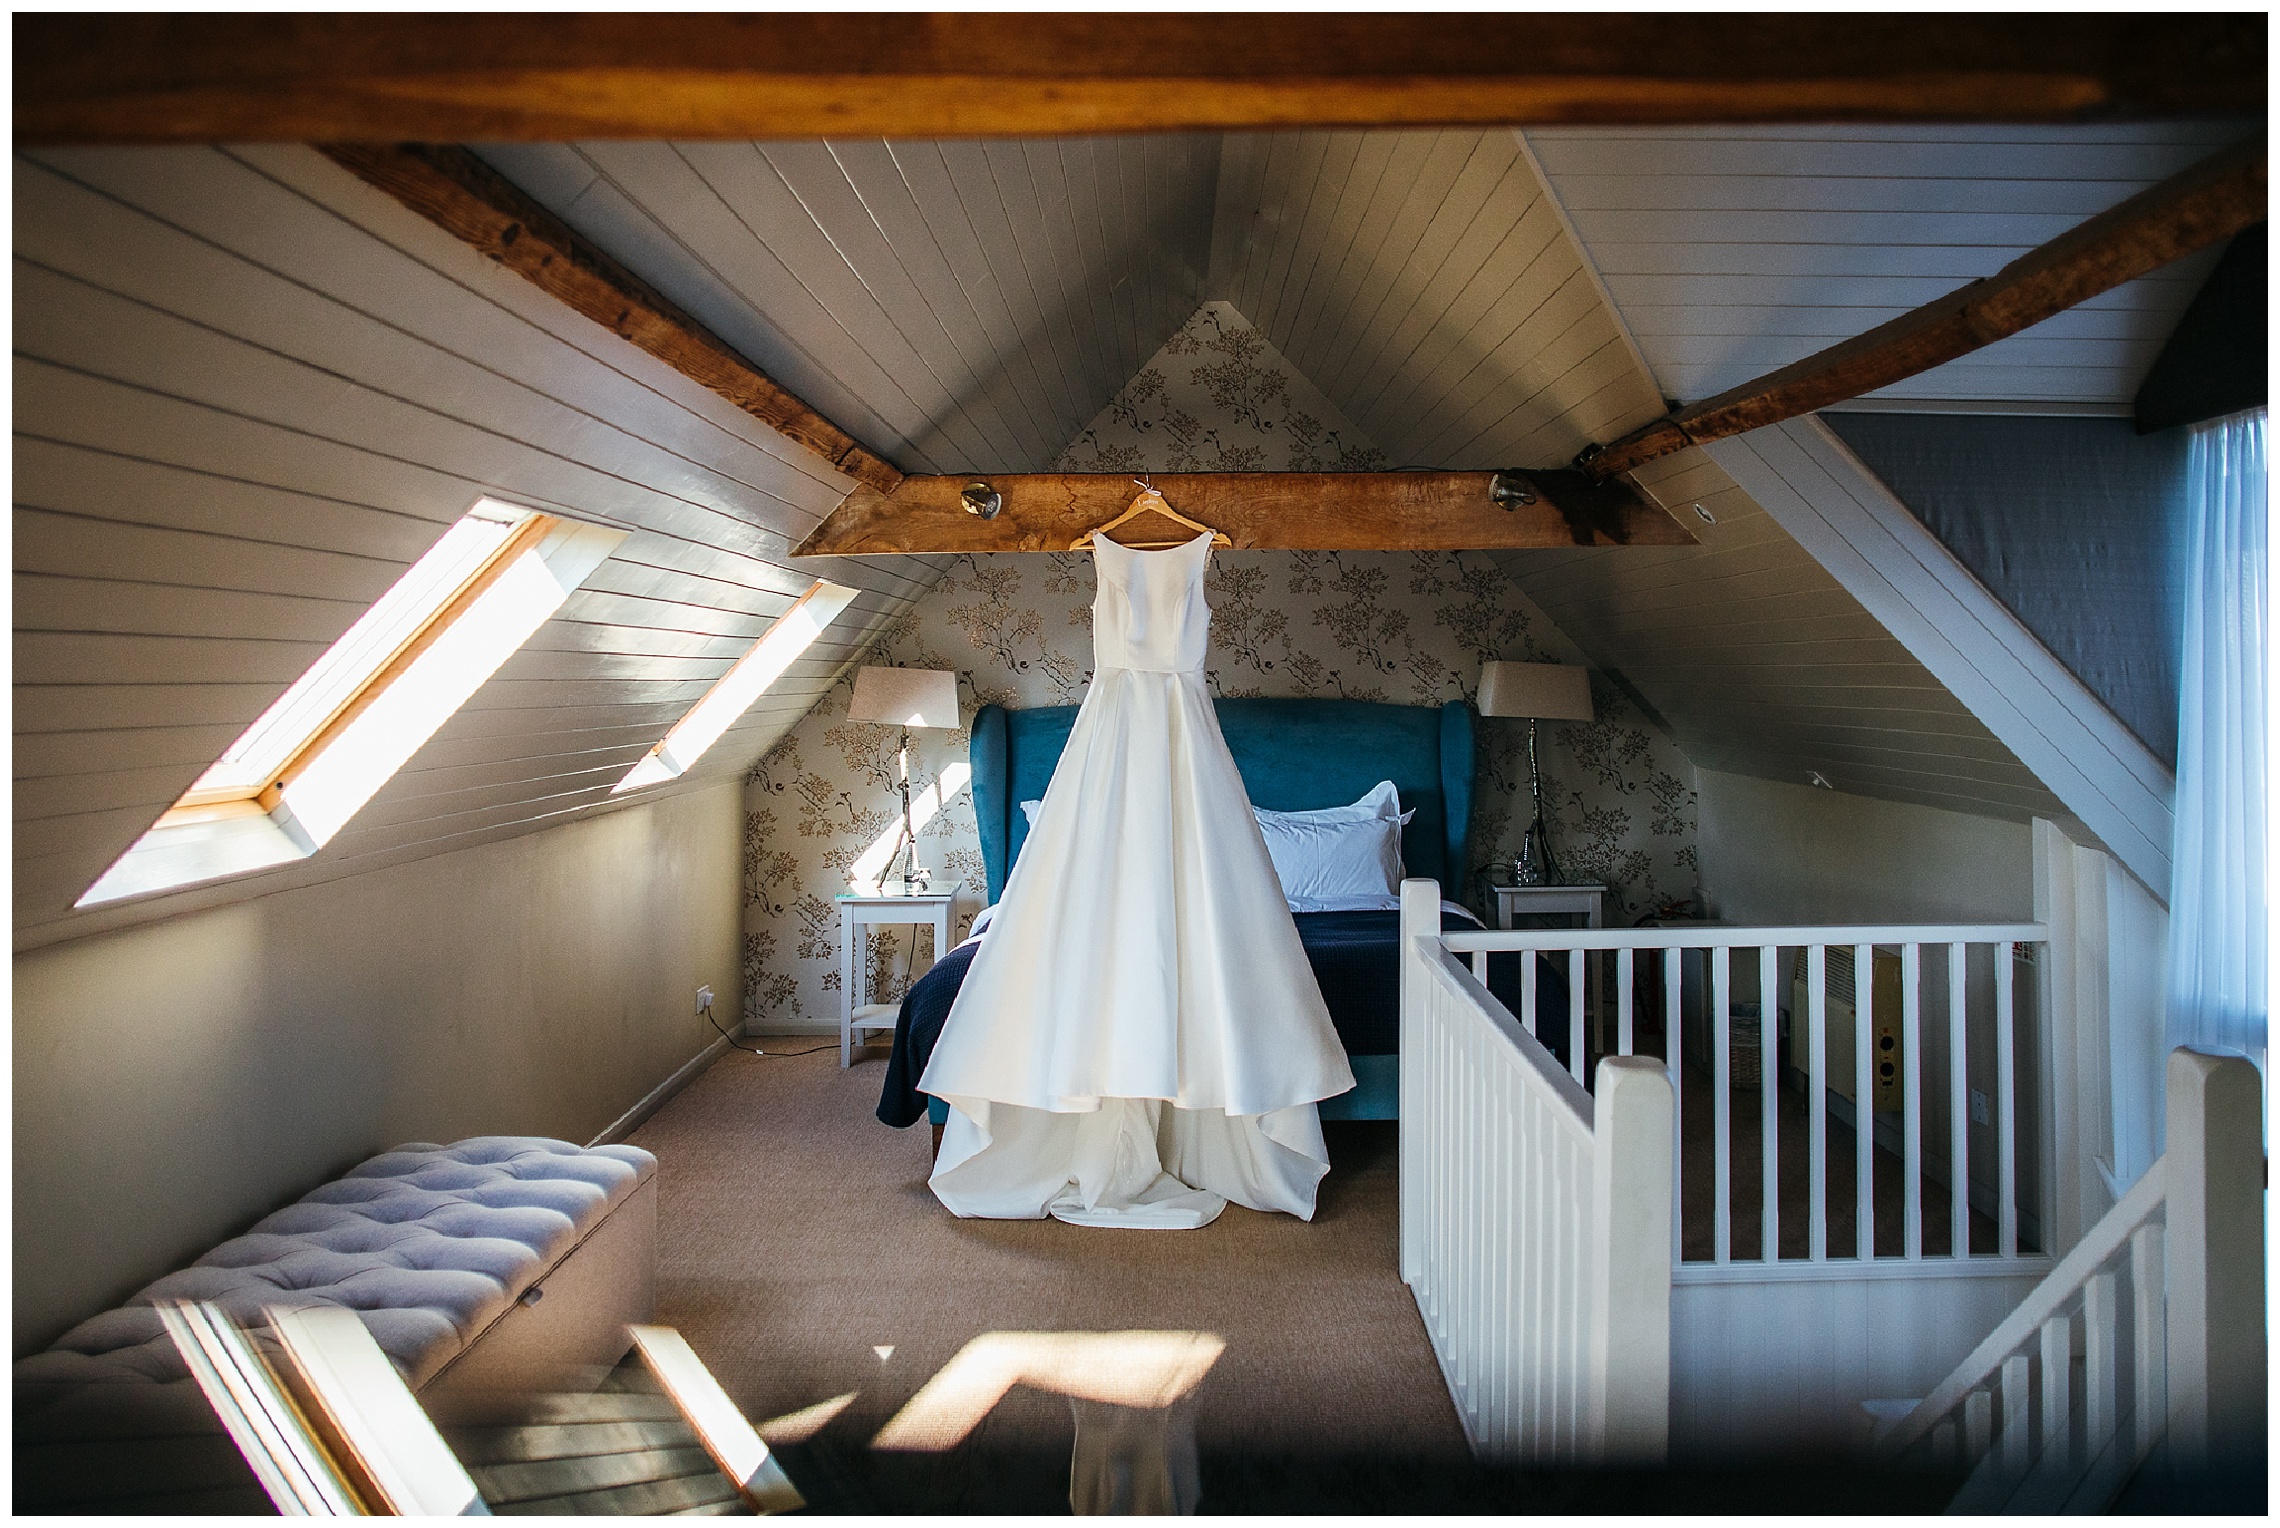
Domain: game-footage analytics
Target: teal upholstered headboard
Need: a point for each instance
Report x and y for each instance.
(1294, 755)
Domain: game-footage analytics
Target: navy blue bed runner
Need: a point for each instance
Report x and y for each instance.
(1355, 964)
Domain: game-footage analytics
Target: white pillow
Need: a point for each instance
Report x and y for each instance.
(1382, 800)
(1332, 855)
(1341, 852)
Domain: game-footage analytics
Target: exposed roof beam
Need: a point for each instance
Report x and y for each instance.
(459, 78)
(464, 196)
(1259, 511)
(2204, 205)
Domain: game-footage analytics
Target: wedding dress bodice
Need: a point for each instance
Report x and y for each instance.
(1149, 613)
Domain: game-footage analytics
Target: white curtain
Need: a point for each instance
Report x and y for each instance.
(2217, 929)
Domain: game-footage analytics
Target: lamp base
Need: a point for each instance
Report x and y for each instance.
(1535, 867)
(1530, 869)
(914, 875)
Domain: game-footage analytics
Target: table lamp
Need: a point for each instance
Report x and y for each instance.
(1551, 692)
(907, 698)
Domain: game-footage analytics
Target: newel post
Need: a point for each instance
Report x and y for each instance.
(1420, 919)
(2216, 1263)
(1633, 1138)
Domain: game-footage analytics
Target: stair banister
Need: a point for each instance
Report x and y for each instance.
(2217, 1339)
(2104, 1241)
(2190, 1236)
(1634, 1123)
(1536, 1220)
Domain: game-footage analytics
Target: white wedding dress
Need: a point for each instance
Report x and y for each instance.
(1140, 1038)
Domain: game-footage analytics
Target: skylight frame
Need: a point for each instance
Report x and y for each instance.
(345, 680)
(737, 691)
(401, 624)
(320, 752)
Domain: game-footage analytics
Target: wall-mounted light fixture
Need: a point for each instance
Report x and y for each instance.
(981, 499)
(1509, 490)
(1706, 517)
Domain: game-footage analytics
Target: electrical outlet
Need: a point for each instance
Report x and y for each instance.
(1978, 1107)
(704, 999)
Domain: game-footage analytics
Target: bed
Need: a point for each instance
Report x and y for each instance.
(1294, 755)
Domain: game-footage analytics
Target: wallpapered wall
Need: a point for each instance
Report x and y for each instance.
(1411, 628)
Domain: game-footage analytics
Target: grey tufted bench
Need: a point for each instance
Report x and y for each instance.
(497, 1264)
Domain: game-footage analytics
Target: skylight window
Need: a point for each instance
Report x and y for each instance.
(312, 760)
(778, 649)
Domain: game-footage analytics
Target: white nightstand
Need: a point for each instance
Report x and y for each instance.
(1558, 901)
(857, 908)
(1530, 901)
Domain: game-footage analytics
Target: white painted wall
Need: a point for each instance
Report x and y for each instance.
(1774, 853)
(175, 1081)
(1781, 1364)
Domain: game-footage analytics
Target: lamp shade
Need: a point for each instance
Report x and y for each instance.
(1551, 692)
(905, 697)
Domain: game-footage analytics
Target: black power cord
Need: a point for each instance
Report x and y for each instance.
(754, 1050)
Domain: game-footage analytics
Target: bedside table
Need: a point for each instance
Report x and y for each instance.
(1530, 901)
(858, 908)
(1557, 902)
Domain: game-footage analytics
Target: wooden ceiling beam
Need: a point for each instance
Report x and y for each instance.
(1258, 511)
(158, 78)
(465, 197)
(2203, 206)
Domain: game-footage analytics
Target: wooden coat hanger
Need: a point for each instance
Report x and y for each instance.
(1149, 501)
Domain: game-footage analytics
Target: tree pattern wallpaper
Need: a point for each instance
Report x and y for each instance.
(1403, 627)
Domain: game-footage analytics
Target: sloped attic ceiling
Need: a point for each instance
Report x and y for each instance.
(1760, 663)
(1427, 284)
(975, 304)
(1731, 252)
(249, 387)
(957, 306)
(1412, 276)
(249, 391)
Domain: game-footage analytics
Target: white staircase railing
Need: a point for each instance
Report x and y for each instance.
(2164, 1302)
(1910, 1030)
(1535, 1221)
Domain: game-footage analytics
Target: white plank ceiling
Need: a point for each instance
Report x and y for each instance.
(1760, 663)
(1733, 251)
(956, 306)
(1426, 283)
(249, 391)
(1430, 287)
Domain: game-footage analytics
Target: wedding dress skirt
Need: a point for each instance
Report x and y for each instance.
(1140, 1037)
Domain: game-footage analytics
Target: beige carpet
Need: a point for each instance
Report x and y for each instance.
(797, 1236)
(798, 1239)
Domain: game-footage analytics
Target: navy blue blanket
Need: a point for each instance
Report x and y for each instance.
(1355, 964)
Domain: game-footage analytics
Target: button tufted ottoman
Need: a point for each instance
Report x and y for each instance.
(499, 1263)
